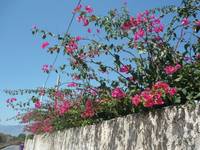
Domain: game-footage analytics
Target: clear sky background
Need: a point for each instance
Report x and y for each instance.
(21, 57)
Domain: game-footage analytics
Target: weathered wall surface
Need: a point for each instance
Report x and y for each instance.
(173, 128)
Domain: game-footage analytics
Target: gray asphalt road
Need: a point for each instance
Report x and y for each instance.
(14, 147)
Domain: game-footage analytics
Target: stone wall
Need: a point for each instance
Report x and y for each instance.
(172, 128)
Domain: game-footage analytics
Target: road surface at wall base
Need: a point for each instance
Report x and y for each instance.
(171, 128)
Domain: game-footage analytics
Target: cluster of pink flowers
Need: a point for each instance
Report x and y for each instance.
(71, 46)
(47, 68)
(58, 95)
(89, 111)
(34, 128)
(82, 18)
(38, 104)
(41, 91)
(40, 126)
(125, 69)
(47, 126)
(11, 100)
(153, 25)
(139, 34)
(154, 96)
(88, 9)
(118, 93)
(172, 69)
(185, 21)
(72, 84)
(26, 117)
(92, 91)
(63, 107)
(164, 86)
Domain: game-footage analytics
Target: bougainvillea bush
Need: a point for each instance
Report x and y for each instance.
(128, 64)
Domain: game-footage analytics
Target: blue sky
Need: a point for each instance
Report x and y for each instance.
(21, 57)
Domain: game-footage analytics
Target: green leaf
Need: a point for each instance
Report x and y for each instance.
(179, 78)
(184, 91)
(197, 96)
(177, 100)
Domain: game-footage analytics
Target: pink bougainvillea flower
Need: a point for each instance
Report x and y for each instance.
(140, 32)
(197, 23)
(146, 12)
(44, 45)
(86, 22)
(185, 21)
(118, 93)
(136, 100)
(59, 95)
(149, 104)
(178, 66)
(147, 95)
(153, 96)
(158, 95)
(26, 117)
(48, 128)
(78, 38)
(159, 102)
(38, 104)
(77, 9)
(69, 49)
(147, 98)
(152, 17)
(80, 18)
(136, 37)
(93, 91)
(46, 125)
(64, 107)
(172, 91)
(46, 68)
(88, 9)
(125, 68)
(11, 100)
(126, 26)
(41, 92)
(161, 85)
(159, 28)
(72, 84)
(172, 69)
(156, 21)
(71, 46)
(89, 30)
(89, 111)
(139, 18)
